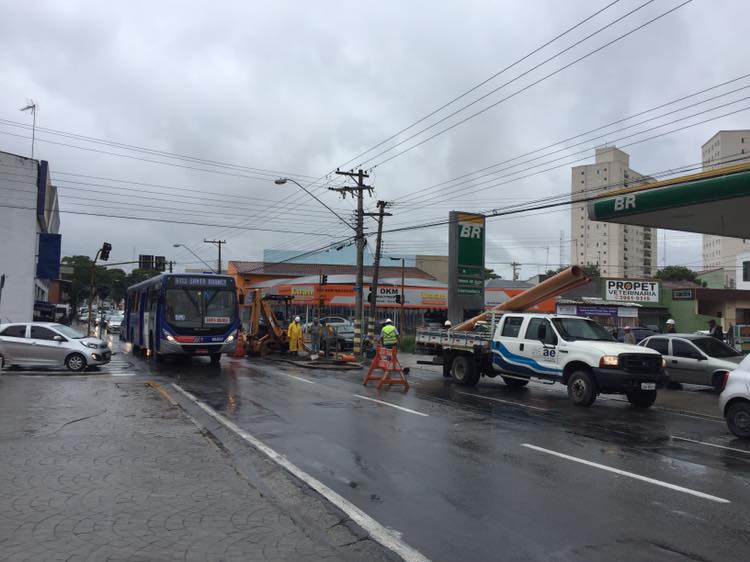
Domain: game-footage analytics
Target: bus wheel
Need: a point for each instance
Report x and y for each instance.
(215, 358)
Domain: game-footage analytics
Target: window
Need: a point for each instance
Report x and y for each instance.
(18, 331)
(512, 326)
(681, 348)
(659, 344)
(42, 333)
(746, 270)
(532, 332)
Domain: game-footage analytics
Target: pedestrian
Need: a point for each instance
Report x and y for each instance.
(629, 336)
(315, 332)
(715, 330)
(671, 329)
(328, 338)
(295, 335)
(730, 335)
(389, 336)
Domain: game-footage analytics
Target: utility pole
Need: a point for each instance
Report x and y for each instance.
(359, 189)
(516, 267)
(216, 243)
(171, 263)
(376, 269)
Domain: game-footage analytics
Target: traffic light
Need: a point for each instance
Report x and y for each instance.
(369, 297)
(104, 252)
(323, 279)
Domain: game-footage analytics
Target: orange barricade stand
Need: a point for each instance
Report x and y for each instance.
(386, 360)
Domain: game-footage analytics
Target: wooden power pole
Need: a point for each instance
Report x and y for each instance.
(376, 269)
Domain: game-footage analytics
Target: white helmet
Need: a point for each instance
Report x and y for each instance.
(388, 321)
(670, 322)
(448, 324)
(297, 318)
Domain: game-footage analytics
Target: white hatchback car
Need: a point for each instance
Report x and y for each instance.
(734, 400)
(50, 344)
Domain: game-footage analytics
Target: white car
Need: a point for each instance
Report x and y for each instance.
(734, 401)
(50, 344)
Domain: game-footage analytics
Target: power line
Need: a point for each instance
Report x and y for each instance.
(494, 104)
(411, 196)
(480, 84)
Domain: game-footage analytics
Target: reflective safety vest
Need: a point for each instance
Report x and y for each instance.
(389, 334)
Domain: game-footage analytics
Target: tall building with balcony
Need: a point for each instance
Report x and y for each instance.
(725, 148)
(619, 250)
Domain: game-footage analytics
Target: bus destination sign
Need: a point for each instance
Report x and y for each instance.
(199, 281)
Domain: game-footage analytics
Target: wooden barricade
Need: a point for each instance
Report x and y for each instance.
(386, 360)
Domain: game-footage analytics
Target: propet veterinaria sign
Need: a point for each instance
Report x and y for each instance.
(625, 290)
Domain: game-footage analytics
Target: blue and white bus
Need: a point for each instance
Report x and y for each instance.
(182, 314)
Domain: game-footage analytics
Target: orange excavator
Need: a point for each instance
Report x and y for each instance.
(261, 339)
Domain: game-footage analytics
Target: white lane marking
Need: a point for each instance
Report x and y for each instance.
(392, 405)
(710, 444)
(297, 378)
(388, 538)
(628, 474)
(503, 401)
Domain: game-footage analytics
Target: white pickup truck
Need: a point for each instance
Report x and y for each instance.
(574, 351)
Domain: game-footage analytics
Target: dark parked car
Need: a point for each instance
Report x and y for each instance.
(639, 332)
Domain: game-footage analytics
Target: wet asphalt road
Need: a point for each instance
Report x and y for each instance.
(475, 473)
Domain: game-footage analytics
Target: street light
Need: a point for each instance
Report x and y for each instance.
(192, 252)
(282, 181)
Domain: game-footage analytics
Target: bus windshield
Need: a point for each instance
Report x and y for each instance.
(200, 308)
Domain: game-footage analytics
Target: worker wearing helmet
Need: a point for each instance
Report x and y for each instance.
(671, 328)
(448, 325)
(389, 335)
(295, 335)
(629, 336)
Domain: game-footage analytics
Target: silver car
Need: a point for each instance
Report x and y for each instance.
(50, 344)
(734, 401)
(695, 358)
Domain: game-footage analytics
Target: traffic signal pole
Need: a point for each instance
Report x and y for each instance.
(103, 253)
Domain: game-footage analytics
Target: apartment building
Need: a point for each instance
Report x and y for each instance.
(725, 148)
(619, 250)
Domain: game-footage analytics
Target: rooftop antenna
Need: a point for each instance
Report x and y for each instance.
(32, 106)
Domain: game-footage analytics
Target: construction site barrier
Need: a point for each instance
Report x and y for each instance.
(386, 361)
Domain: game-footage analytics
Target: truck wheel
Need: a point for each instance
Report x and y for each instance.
(581, 388)
(641, 399)
(464, 371)
(513, 382)
(738, 419)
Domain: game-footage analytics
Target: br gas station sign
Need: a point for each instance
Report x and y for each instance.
(466, 264)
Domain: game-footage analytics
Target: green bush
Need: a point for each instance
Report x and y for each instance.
(407, 344)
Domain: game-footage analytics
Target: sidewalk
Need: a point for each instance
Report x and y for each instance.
(93, 468)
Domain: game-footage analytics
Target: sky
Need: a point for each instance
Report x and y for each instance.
(185, 112)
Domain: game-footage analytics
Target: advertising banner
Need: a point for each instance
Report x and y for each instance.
(626, 290)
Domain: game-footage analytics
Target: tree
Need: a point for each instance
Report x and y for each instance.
(490, 274)
(589, 270)
(676, 273)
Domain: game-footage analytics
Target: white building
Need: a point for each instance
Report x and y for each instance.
(725, 148)
(29, 209)
(619, 250)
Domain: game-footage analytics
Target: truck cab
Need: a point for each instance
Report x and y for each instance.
(576, 352)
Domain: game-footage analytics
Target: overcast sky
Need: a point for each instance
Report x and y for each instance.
(299, 88)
